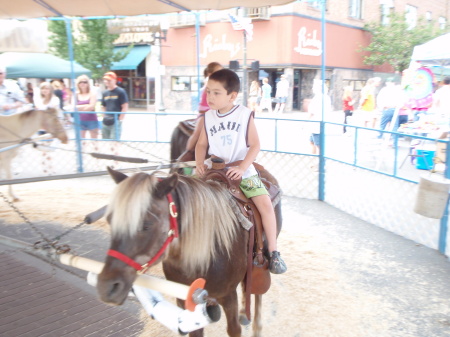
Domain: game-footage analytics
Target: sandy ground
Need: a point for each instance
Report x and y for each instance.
(339, 283)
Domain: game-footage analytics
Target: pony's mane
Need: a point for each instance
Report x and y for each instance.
(208, 221)
(208, 224)
(130, 201)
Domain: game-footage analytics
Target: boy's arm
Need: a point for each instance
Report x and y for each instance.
(236, 172)
(199, 126)
(200, 152)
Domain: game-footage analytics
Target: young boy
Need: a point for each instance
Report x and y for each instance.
(230, 133)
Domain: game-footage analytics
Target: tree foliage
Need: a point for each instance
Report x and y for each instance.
(93, 45)
(394, 43)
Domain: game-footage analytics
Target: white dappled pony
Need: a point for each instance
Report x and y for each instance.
(18, 127)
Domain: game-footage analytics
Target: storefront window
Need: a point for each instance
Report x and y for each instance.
(194, 84)
(185, 83)
(181, 83)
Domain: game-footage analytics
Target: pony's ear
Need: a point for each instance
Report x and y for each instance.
(116, 175)
(165, 186)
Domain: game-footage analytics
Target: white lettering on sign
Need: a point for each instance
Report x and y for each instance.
(129, 38)
(211, 45)
(308, 44)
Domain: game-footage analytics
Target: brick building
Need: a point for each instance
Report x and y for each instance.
(286, 39)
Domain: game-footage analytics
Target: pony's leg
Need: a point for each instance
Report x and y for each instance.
(242, 315)
(7, 168)
(229, 304)
(257, 323)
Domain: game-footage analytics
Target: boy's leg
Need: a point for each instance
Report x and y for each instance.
(265, 208)
(269, 221)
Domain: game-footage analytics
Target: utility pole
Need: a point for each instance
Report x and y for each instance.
(244, 72)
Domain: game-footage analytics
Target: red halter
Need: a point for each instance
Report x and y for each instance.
(173, 233)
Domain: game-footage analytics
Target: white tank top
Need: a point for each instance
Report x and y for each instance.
(228, 135)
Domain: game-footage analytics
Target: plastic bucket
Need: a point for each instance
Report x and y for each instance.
(432, 195)
(425, 161)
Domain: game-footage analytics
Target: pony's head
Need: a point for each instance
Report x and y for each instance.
(138, 213)
(52, 124)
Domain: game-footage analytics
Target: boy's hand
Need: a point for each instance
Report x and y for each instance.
(200, 169)
(235, 172)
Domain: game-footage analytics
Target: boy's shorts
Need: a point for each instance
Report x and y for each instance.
(253, 186)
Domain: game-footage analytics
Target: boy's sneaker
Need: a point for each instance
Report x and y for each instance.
(277, 265)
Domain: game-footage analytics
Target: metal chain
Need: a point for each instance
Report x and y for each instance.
(11, 204)
(58, 237)
(59, 249)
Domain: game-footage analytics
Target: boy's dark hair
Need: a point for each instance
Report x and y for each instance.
(447, 80)
(228, 78)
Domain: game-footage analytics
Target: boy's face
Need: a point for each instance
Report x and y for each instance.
(217, 97)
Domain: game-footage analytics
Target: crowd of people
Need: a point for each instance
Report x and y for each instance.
(55, 94)
(393, 105)
(374, 108)
(81, 108)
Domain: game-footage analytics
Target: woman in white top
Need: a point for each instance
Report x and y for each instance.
(47, 99)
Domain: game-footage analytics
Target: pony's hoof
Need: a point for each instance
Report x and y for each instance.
(243, 320)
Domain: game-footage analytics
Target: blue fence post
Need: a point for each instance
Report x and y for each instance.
(76, 115)
(444, 220)
(322, 126)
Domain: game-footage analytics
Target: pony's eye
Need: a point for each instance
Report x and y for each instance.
(146, 226)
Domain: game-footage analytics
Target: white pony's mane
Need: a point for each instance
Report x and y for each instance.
(208, 222)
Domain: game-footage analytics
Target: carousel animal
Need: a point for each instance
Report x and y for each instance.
(211, 243)
(16, 128)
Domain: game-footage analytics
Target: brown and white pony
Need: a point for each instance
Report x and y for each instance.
(211, 243)
(18, 127)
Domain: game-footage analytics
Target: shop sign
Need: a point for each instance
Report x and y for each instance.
(135, 38)
(211, 44)
(308, 43)
(118, 26)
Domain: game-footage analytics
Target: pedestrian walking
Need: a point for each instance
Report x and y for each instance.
(281, 94)
(347, 104)
(266, 100)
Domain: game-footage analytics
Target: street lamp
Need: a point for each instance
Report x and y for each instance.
(161, 36)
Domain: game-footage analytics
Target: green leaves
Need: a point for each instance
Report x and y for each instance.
(93, 45)
(394, 43)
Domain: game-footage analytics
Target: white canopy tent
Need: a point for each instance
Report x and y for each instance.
(434, 54)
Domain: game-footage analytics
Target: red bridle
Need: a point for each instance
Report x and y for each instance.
(173, 233)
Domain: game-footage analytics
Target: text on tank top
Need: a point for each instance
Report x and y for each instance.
(228, 135)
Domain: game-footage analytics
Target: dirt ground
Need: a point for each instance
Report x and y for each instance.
(335, 285)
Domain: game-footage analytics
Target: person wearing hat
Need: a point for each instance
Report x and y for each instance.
(11, 96)
(282, 94)
(114, 99)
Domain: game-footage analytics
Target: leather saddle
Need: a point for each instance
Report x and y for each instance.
(187, 126)
(258, 276)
